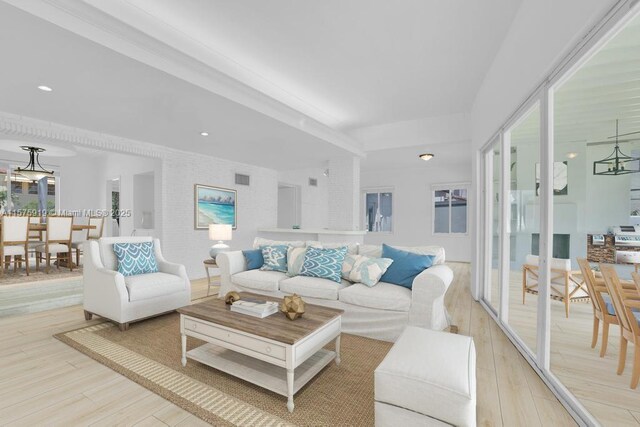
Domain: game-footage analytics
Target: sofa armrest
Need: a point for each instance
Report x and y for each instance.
(229, 263)
(427, 298)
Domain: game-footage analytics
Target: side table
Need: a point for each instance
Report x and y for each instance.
(209, 263)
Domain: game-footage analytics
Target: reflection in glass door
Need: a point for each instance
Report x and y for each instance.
(492, 171)
(523, 140)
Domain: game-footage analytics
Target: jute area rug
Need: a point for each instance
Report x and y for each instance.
(149, 354)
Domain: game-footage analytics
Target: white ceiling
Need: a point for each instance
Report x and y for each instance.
(358, 62)
(100, 90)
(299, 74)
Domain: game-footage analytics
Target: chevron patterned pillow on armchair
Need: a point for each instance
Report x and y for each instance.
(135, 258)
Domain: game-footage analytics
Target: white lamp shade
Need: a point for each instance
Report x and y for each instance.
(220, 232)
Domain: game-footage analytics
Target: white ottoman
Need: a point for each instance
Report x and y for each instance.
(427, 379)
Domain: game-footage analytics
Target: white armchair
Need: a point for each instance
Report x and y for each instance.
(121, 299)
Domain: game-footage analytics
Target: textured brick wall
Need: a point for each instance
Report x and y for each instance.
(344, 193)
(256, 204)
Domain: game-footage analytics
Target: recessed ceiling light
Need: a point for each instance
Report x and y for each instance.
(45, 88)
(572, 155)
(426, 156)
(204, 133)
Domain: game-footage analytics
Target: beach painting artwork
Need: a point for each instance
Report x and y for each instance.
(214, 205)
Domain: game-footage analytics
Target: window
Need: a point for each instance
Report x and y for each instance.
(450, 209)
(378, 215)
(33, 188)
(16, 186)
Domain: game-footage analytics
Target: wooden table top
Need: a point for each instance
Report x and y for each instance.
(74, 227)
(275, 327)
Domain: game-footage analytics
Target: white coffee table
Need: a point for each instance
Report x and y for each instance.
(274, 353)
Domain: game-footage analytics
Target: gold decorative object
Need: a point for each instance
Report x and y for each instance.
(292, 306)
(231, 297)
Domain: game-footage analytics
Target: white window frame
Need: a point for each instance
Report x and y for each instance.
(364, 192)
(449, 187)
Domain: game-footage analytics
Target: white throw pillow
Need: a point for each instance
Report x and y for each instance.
(295, 259)
(347, 265)
(368, 271)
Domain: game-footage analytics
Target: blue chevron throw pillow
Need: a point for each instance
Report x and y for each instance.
(324, 263)
(135, 258)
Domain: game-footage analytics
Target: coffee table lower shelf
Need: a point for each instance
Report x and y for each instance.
(263, 374)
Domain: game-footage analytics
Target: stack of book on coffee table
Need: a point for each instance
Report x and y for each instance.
(255, 307)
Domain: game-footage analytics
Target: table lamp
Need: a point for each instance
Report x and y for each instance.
(219, 232)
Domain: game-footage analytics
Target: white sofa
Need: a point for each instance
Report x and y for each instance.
(121, 299)
(379, 312)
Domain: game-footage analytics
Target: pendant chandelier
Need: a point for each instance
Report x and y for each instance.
(34, 170)
(617, 163)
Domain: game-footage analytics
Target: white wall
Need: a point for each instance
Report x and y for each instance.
(256, 204)
(412, 205)
(144, 201)
(314, 200)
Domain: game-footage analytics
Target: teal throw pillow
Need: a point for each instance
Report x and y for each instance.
(254, 259)
(324, 263)
(275, 258)
(405, 267)
(135, 258)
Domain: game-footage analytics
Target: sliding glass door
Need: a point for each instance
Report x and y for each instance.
(557, 178)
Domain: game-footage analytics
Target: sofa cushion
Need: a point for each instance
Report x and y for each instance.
(259, 280)
(324, 263)
(375, 251)
(432, 373)
(151, 285)
(352, 248)
(383, 296)
(405, 267)
(259, 241)
(135, 258)
(275, 258)
(313, 287)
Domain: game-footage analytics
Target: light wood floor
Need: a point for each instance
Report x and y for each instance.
(591, 378)
(45, 382)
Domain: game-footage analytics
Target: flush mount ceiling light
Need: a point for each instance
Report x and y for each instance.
(572, 155)
(45, 88)
(34, 170)
(426, 156)
(617, 163)
(204, 133)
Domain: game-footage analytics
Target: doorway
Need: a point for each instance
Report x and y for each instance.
(289, 205)
(113, 200)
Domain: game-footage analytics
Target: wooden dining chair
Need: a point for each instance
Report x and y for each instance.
(57, 241)
(92, 233)
(14, 238)
(624, 303)
(36, 237)
(603, 309)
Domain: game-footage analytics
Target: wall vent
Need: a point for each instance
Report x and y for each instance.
(313, 182)
(242, 179)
